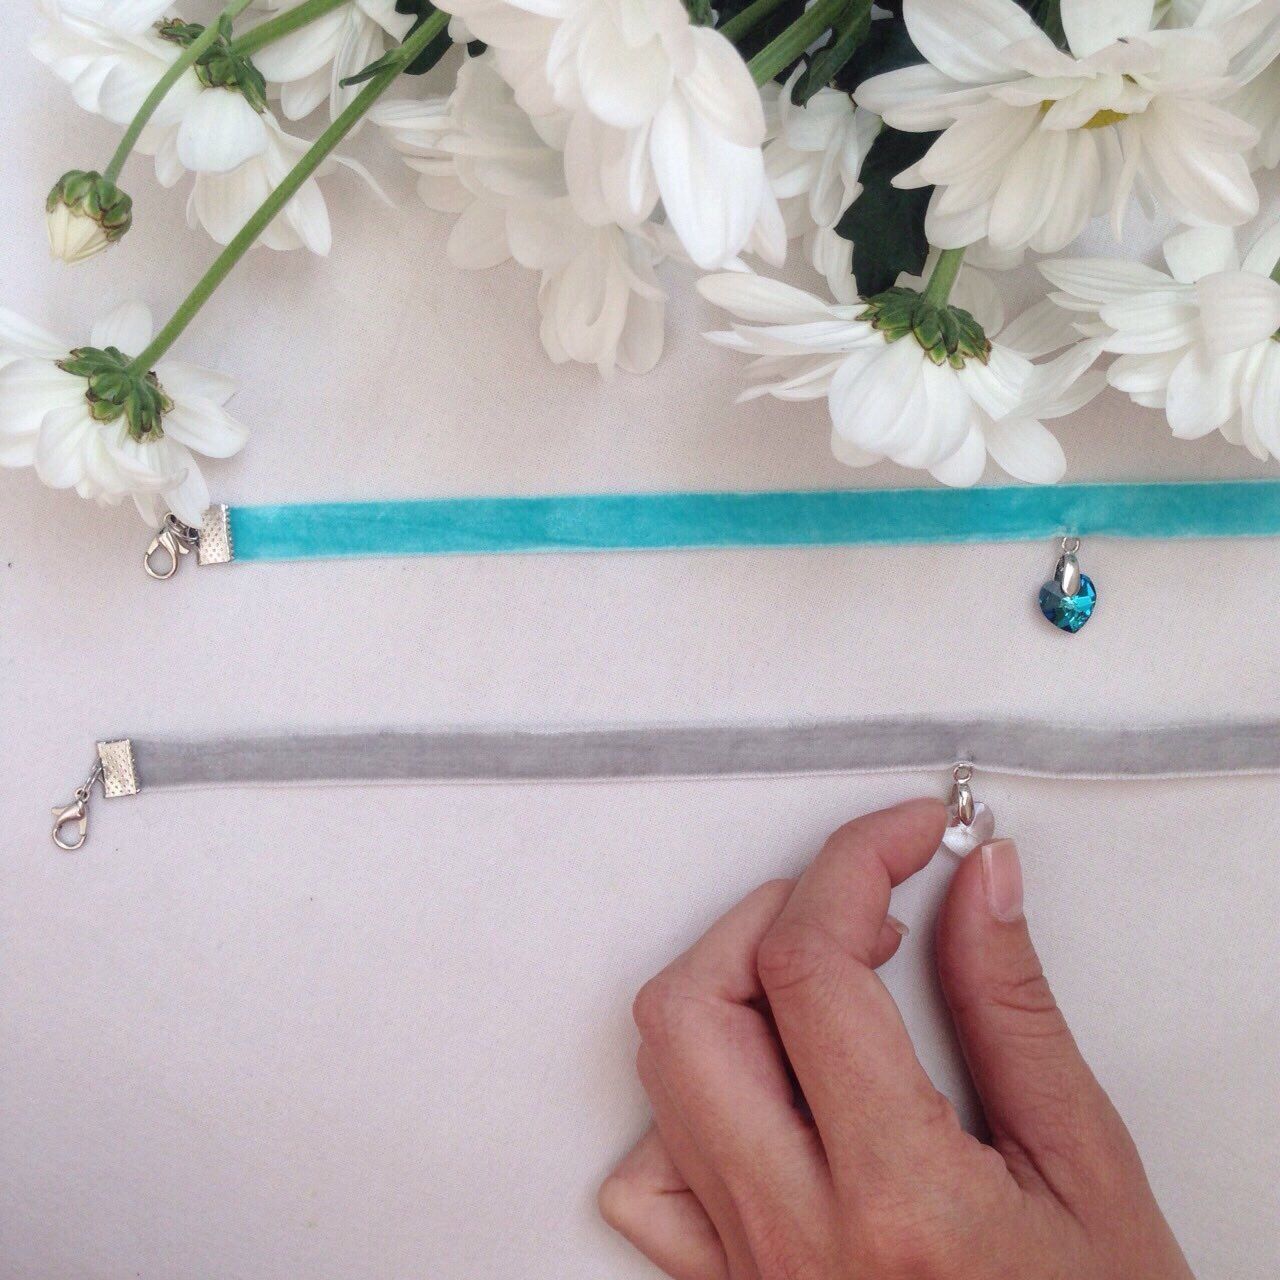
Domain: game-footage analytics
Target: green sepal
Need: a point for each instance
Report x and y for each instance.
(701, 14)
(88, 192)
(116, 390)
(947, 334)
(219, 66)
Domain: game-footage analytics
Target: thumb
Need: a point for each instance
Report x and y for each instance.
(1048, 1114)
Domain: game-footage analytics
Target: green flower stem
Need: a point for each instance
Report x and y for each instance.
(938, 290)
(186, 59)
(287, 189)
(781, 52)
(283, 24)
(745, 19)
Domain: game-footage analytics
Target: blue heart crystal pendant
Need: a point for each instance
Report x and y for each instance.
(1069, 597)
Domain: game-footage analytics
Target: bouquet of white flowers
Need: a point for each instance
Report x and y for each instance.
(908, 152)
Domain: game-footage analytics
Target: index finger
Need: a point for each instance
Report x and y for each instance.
(877, 1111)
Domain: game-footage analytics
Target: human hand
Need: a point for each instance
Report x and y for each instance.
(735, 1181)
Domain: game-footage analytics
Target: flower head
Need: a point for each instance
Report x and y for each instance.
(482, 157)
(1037, 139)
(657, 109)
(1198, 341)
(85, 419)
(85, 213)
(922, 384)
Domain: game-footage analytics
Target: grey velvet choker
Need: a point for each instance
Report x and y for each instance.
(125, 766)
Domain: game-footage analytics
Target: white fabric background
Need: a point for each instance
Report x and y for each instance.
(384, 1032)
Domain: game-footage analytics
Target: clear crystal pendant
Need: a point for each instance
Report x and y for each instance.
(969, 821)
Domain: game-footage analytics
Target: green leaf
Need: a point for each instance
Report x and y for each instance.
(847, 34)
(701, 13)
(367, 73)
(885, 224)
(887, 46)
(425, 60)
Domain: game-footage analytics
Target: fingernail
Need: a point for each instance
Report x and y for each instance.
(897, 926)
(1002, 880)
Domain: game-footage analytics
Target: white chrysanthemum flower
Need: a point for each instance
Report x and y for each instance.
(1037, 139)
(813, 160)
(481, 156)
(1199, 341)
(658, 109)
(236, 153)
(55, 403)
(888, 398)
(310, 64)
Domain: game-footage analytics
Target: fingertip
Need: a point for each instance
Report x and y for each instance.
(904, 836)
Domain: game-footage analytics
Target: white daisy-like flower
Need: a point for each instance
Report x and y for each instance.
(310, 64)
(54, 416)
(658, 109)
(813, 160)
(1036, 139)
(888, 398)
(480, 156)
(236, 153)
(1198, 341)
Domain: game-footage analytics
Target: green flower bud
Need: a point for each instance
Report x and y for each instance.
(949, 335)
(115, 390)
(84, 213)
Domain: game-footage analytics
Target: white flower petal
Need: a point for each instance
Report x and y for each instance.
(128, 328)
(761, 299)
(966, 465)
(1201, 394)
(1201, 251)
(1027, 450)
(65, 435)
(189, 498)
(19, 337)
(219, 132)
(182, 381)
(850, 454)
(205, 427)
(919, 98)
(720, 91)
(1237, 310)
(712, 190)
(968, 41)
(1091, 25)
(29, 388)
(479, 237)
(1042, 328)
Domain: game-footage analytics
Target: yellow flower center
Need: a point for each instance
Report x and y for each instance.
(1099, 120)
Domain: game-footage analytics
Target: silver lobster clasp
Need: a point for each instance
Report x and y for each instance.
(78, 812)
(176, 540)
